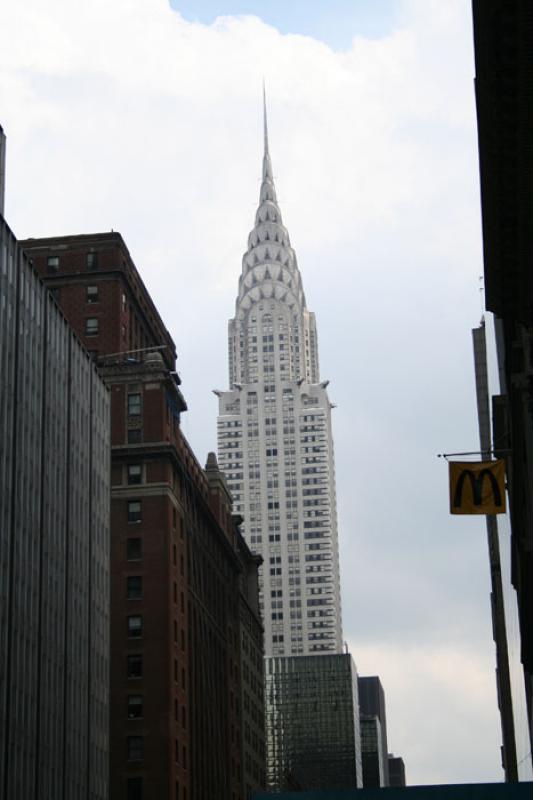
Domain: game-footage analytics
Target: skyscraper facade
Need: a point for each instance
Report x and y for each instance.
(54, 547)
(275, 441)
(312, 722)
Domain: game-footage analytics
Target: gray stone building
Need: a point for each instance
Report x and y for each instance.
(54, 546)
(275, 441)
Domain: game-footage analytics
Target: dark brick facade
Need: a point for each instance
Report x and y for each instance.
(127, 318)
(177, 563)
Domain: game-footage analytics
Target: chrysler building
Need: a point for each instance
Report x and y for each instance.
(275, 443)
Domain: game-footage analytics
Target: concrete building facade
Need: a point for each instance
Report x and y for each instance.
(54, 546)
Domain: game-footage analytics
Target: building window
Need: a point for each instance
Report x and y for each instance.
(134, 511)
(92, 294)
(134, 473)
(134, 549)
(91, 326)
(134, 788)
(135, 626)
(134, 587)
(134, 405)
(135, 706)
(92, 261)
(52, 264)
(134, 435)
(135, 666)
(135, 748)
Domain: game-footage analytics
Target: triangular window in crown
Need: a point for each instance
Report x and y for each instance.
(278, 257)
(267, 254)
(256, 260)
(267, 276)
(267, 237)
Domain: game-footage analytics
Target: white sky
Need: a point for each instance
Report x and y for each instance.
(121, 114)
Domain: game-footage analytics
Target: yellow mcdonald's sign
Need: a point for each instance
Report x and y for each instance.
(477, 487)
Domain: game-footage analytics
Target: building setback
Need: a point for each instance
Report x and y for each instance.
(54, 546)
(275, 442)
(177, 566)
(312, 715)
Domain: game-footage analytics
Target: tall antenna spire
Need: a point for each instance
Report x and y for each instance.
(267, 166)
(265, 117)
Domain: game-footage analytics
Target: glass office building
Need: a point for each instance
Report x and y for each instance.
(54, 547)
(312, 723)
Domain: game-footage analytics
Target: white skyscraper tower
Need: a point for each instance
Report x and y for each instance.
(275, 443)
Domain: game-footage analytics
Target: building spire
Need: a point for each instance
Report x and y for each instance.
(267, 165)
(269, 266)
(265, 126)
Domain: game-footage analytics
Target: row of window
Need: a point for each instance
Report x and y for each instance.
(91, 261)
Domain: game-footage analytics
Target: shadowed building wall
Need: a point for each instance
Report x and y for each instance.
(176, 605)
(54, 547)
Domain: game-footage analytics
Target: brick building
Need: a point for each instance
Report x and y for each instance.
(177, 564)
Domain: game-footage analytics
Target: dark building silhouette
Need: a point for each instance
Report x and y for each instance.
(54, 545)
(372, 751)
(372, 706)
(503, 43)
(2, 170)
(396, 770)
(182, 580)
(252, 672)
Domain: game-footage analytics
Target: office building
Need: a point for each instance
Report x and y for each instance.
(252, 701)
(503, 46)
(396, 770)
(312, 715)
(371, 751)
(54, 546)
(275, 441)
(372, 707)
(179, 599)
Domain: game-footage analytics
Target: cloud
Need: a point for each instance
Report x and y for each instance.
(121, 114)
(433, 694)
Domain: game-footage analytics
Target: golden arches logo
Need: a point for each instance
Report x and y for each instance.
(478, 487)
